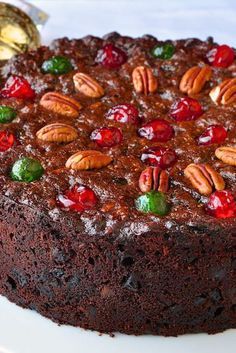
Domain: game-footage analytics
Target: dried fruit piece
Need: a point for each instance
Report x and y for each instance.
(90, 159)
(60, 104)
(144, 81)
(111, 57)
(17, 87)
(79, 198)
(124, 113)
(26, 170)
(194, 79)
(7, 140)
(87, 85)
(7, 114)
(221, 56)
(153, 178)
(204, 178)
(221, 204)
(164, 52)
(107, 136)
(212, 134)
(152, 202)
(186, 109)
(57, 65)
(226, 155)
(57, 132)
(224, 93)
(159, 157)
(158, 130)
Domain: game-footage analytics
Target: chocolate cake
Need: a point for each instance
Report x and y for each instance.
(117, 175)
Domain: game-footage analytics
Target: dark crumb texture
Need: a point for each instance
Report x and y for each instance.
(114, 268)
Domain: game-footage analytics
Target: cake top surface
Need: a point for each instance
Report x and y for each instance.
(117, 118)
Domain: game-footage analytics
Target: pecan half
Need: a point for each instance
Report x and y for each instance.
(153, 178)
(224, 93)
(60, 104)
(226, 155)
(57, 132)
(194, 79)
(204, 178)
(144, 81)
(90, 159)
(87, 85)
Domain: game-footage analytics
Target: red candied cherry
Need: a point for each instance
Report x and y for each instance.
(7, 140)
(221, 204)
(79, 198)
(186, 109)
(17, 87)
(158, 130)
(107, 136)
(212, 134)
(221, 56)
(111, 57)
(159, 157)
(124, 113)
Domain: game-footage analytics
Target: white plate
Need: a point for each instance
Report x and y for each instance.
(23, 331)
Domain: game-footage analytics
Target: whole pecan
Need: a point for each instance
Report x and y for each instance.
(87, 85)
(57, 132)
(60, 104)
(224, 93)
(90, 159)
(226, 155)
(144, 81)
(194, 79)
(153, 178)
(204, 178)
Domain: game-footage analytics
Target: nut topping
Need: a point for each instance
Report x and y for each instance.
(60, 104)
(87, 85)
(153, 178)
(227, 155)
(144, 81)
(224, 93)
(57, 132)
(204, 178)
(194, 79)
(90, 159)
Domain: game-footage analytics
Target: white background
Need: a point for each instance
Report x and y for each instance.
(22, 331)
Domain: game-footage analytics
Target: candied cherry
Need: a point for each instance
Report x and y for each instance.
(221, 56)
(159, 157)
(107, 136)
(186, 109)
(17, 87)
(221, 204)
(7, 140)
(158, 130)
(79, 198)
(26, 170)
(7, 114)
(152, 202)
(124, 113)
(212, 134)
(111, 57)
(57, 65)
(164, 52)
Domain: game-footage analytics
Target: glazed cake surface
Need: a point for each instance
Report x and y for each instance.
(112, 267)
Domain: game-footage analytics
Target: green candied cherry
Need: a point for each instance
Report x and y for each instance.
(26, 170)
(164, 51)
(7, 114)
(57, 65)
(152, 202)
